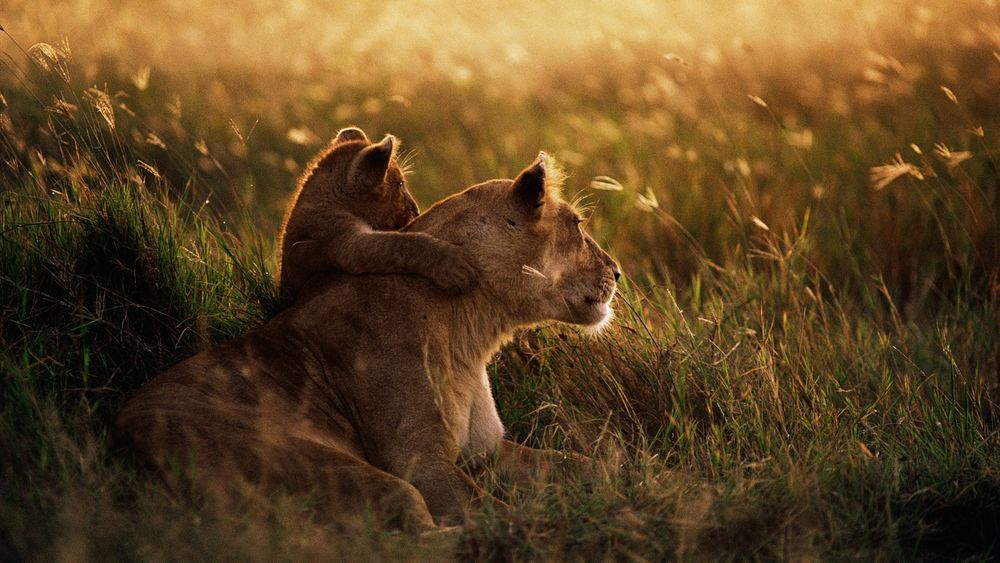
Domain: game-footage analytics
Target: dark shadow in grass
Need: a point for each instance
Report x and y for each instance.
(964, 526)
(98, 296)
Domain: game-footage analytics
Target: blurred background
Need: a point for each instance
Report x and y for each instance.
(703, 122)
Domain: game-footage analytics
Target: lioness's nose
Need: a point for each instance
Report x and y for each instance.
(614, 266)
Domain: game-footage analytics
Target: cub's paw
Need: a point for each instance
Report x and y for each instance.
(454, 270)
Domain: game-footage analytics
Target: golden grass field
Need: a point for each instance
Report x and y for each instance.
(803, 197)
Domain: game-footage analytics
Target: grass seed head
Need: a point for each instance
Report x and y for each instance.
(951, 158)
(950, 95)
(757, 100)
(606, 183)
(101, 102)
(882, 176)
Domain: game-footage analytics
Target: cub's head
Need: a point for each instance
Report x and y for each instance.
(535, 255)
(365, 178)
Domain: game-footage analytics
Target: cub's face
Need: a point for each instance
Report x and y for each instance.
(367, 180)
(532, 248)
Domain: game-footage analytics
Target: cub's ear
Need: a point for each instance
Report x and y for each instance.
(529, 186)
(369, 167)
(351, 133)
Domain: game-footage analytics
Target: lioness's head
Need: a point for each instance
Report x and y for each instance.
(366, 179)
(531, 246)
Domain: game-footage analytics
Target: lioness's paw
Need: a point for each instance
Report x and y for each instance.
(454, 271)
(580, 465)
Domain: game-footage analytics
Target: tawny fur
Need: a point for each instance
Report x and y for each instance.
(351, 198)
(371, 390)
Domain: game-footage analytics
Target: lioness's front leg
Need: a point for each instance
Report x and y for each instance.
(428, 463)
(405, 435)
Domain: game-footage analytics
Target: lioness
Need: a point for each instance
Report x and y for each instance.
(349, 201)
(369, 389)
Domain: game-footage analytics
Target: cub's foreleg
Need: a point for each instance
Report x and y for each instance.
(450, 267)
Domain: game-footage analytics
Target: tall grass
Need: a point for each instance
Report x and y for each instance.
(804, 362)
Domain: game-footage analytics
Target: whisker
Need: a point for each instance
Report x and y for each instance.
(405, 160)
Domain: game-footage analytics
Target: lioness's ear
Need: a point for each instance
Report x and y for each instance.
(529, 186)
(371, 164)
(351, 134)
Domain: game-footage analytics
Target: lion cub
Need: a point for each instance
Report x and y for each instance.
(350, 200)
